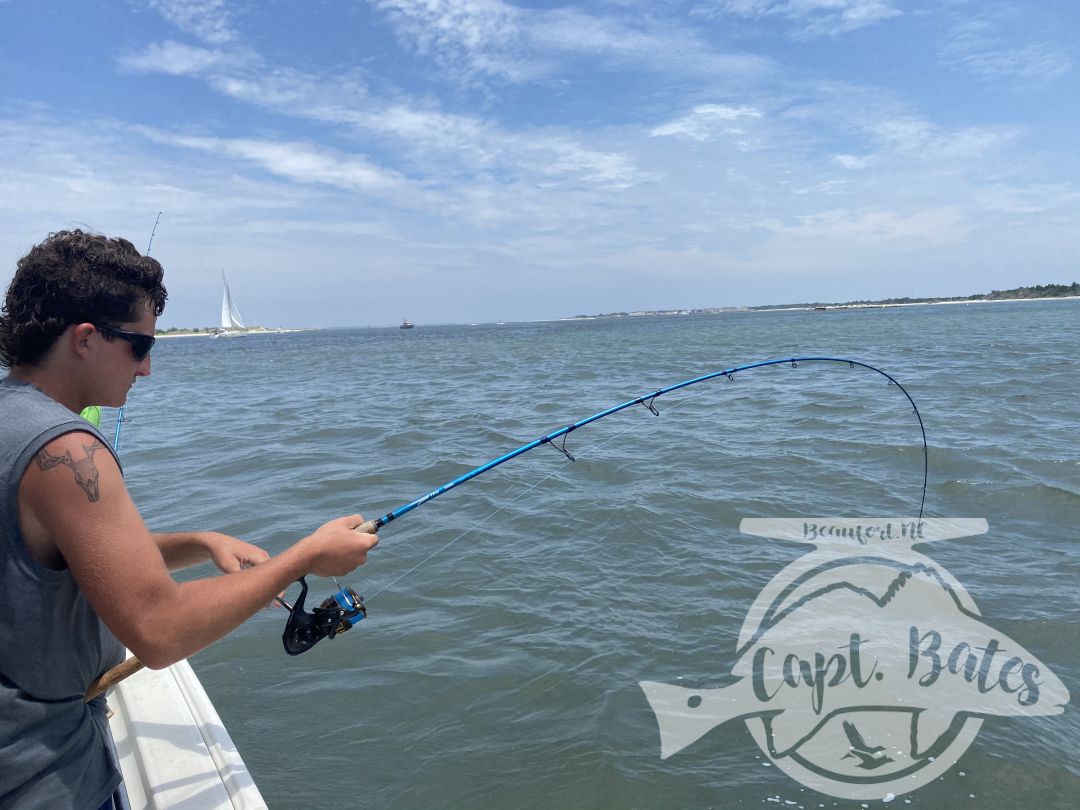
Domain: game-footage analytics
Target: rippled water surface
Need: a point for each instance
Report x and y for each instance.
(504, 671)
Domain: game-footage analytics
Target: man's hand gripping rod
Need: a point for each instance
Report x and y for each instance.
(303, 630)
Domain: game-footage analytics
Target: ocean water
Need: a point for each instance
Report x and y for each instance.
(503, 671)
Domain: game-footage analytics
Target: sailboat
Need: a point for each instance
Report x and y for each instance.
(231, 322)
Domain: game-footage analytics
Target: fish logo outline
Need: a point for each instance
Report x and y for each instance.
(939, 728)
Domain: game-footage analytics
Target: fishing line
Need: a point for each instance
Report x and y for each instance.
(516, 498)
(646, 400)
(469, 530)
(120, 418)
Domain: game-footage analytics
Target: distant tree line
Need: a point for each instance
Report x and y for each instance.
(1036, 291)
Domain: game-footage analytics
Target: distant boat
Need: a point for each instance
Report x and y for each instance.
(407, 325)
(231, 322)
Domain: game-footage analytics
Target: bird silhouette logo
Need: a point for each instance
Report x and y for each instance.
(870, 757)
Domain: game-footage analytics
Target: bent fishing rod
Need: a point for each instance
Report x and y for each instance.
(345, 608)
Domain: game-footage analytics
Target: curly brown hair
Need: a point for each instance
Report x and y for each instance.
(74, 277)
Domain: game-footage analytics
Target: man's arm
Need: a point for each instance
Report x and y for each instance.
(185, 549)
(84, 509)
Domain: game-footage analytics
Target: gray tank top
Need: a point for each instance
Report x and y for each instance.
(55, 750)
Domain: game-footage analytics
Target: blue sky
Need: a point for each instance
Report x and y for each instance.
(351, 163)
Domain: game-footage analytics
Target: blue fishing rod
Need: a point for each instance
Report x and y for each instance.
(345, 608)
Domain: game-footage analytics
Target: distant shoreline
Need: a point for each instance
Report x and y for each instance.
(820, 307)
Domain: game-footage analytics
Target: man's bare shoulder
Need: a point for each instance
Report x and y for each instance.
(73, 459)
(61, 492)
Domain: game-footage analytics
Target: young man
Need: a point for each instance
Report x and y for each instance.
(81, 576)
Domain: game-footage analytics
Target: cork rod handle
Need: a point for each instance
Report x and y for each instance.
(113, 677)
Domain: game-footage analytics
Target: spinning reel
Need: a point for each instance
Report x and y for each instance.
(336, 614)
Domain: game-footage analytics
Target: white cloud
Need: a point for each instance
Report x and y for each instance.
(439, 143)
(851, 161)
(916, 229)
(908, 134)
(815, 18)
(241, 74)
(567, 158)
(832, 187)
(447, 144)
(1034, 199)
(919, 138)
(976, 47)
(176, 59)
(490, 38)
(708, 121)
(301, 162)
(478, 38)
(452, 25)
(640, 40)
(208, 20)
(103, 175)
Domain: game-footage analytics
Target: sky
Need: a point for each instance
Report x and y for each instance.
(352, 163)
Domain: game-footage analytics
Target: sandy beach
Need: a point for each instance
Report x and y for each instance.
(208, 333)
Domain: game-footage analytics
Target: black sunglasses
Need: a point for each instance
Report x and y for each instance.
(140, 344)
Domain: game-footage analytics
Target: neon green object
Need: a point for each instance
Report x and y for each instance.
(92, 414)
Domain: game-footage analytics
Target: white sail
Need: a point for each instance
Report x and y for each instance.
(230, 316)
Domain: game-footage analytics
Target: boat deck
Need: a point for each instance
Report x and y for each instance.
(174, 750)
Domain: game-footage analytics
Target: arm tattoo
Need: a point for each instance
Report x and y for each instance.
(86, 473)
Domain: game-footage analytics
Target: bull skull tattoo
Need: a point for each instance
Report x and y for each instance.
(86, 472)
